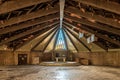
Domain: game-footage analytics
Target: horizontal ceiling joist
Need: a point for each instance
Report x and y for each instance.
(94, 25)
(88, 15)
(106, 5)
(12, 5)
(77, 38)
(97, 34)
(29, 16)
(40, 27)
(29, 23)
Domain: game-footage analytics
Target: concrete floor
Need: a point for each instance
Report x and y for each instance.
(59, 73)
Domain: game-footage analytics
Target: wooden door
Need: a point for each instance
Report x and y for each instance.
(22, 59)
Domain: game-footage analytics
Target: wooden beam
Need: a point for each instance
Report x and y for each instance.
(41, 32)
(18, 4)
(49, 40)
(36, 51)
(31, 9)
(89, 15)
(71, 40)
(94, 25)
(62, 5)
(9, 16)
(40, 27)
(65, 39)
(56, 39)
(43, 38)
(97, 34)
(106, 5)
(96, 42)
(30, 16)
(101, 45)
(29, 23)
(77, 38)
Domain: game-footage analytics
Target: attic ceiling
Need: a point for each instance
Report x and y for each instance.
(35, 24)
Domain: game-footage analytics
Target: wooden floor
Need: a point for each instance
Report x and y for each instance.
(37, 72)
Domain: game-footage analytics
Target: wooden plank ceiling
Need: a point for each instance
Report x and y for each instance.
(21, 21)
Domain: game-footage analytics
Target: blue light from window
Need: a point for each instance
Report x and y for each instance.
(60, 44)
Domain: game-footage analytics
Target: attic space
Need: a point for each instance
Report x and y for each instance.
(40, 36)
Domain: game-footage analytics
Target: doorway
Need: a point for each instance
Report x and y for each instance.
(22, 59)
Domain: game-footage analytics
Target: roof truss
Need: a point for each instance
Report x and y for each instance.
(39, 27)
(11, 5)
(94, 25)
(29, 16)
(97, 34)
(29, 23)
(89, 15)
(107, 5)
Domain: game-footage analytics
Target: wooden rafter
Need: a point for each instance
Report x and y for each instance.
(41, 32)
(56, 40)
(8, 16)
(77, 38)
(107, 5)
(31, 9)
(71, 40)
(101, 45)
(49, 40)
(18, 4)
(95, 17)
(97, 34)
(96, 42)
(65, 39)
(40, 27)
(29, 23)
(62, 5)
(43, 38)
(94, 25)
(29, 16)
